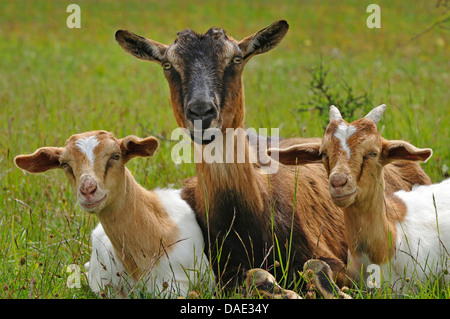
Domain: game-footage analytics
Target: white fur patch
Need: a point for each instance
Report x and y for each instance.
(87, 146)
(183, 266)
(343, 133)
(423, 238)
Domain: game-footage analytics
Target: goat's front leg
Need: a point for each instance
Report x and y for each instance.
(320, 274)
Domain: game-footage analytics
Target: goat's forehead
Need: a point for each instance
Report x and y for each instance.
(90, 143)
(352, 136)
(87, 145)
(190, 45)
(100, 136)
(359, 127)
(365, 128)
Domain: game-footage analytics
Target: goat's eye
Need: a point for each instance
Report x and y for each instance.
(66, 167)
(167, 66)
(237, 60)
(115, 156)
(371, 154)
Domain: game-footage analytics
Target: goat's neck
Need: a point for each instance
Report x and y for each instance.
(239, 181)
(138, 226)
(370, 225)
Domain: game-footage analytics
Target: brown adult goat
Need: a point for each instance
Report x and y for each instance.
(241, 210)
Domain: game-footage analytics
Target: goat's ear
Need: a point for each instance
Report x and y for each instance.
(40, 161)
(403, 151)
(297, 154)
(140, 47)
(133, 146)
(263, 40)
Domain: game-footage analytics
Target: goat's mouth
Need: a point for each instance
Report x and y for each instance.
(343, 199)
(90, 205)
(204, 137)
(199, 138)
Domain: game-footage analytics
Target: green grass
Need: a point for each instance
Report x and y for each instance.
(56, 81)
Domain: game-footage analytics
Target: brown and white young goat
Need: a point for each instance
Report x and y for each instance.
(241, 210)
(407, 234)
(150, 237)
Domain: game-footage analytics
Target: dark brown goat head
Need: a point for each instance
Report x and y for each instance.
(204, 72)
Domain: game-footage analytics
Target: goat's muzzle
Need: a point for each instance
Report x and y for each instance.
(342, 190)
(202, 111)
(90, 197)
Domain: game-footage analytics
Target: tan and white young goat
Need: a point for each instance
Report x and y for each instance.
(406, 234)
(144, 237)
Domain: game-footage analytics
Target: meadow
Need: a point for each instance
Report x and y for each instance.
(56, 81)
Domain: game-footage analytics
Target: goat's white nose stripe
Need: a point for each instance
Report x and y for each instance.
(87, 146)
(343, 133)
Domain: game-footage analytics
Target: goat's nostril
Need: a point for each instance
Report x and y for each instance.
(338, 180)
(210, 113)
(191, 112)
(200, 110)
(94, 189)
(88, 189)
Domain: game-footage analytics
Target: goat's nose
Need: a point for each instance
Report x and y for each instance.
(203, 110)
(88, 186)
(338, 180)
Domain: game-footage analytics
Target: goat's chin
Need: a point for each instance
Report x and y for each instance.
(344, 200)
(93, 206)
(342, 204)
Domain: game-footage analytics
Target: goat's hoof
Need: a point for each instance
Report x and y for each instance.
(319, 273)
(260, 282)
